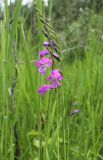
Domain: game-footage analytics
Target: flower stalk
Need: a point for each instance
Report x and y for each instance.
(50, 59)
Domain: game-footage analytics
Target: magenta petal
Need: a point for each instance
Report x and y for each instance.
(50, 63)
(43, 61)
(38, 63)
(42, 70)
(55, 84)
(60, 78)
(43, 89)
(42, 64)
(43, 53)
(55, 75)
(49, 78)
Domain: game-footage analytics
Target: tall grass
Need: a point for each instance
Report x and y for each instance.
(41, 128)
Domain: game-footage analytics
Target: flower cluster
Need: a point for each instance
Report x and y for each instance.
(44, 63)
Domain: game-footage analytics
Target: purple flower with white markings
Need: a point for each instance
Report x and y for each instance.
(55, 77)
(42, 64)
(43, 53)
(43, 89)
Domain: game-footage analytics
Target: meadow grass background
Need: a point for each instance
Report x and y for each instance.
(41, 128)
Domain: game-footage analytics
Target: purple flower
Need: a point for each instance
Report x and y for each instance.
(74, 112)
(46, 44)
(42, 64)
(55, 84)
(43, 89)
(55, 77)
(43, 53)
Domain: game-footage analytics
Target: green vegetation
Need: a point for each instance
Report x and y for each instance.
(42, 128)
